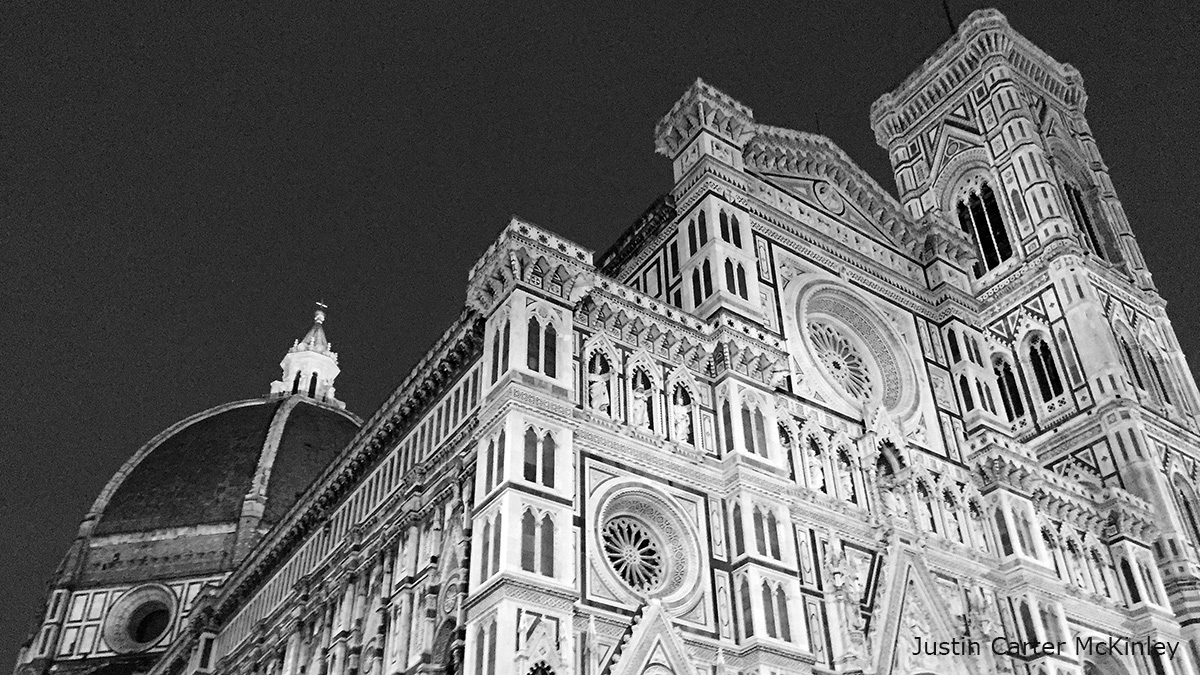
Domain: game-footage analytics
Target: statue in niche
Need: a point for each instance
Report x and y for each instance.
(639, 408)
(846, 477)
(818, 467)
(681, 415)
(599, 377)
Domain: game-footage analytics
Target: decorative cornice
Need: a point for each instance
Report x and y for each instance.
(702, 108)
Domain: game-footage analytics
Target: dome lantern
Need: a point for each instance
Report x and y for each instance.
(310, 366)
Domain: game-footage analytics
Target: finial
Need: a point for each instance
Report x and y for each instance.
(319, 315)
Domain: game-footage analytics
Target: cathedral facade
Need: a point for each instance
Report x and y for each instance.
(788, 423)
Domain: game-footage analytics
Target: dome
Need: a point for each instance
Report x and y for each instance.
(198, 496)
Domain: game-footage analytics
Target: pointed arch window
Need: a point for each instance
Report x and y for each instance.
(1044, 369)
(500, 352)
(1080, 211)
(741, 279)
(724, 219)
(1068, 354)
(952, 340)
(692, 237)
(703, 229)
(1188, 505)
(964, 388)
(296, 384)
(727, 423)
(707, 276)
(1010, 393)
(312, 386)
(759, 534)
(739, 538)
(747, 614)
(537, 543)
(736, 229)
(730, 283)
(697, 293)
(542, 347)
(979, 216)
(768, 603)
(539, 457)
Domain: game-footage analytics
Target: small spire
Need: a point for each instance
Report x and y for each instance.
(310, 366)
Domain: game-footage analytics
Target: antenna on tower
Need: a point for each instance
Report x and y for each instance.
(949, 19)
(817, 116)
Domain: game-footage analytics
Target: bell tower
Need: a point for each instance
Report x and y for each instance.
(310, 366)
(994, 138)
(990, 134)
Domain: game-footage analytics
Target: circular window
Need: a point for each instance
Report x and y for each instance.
(140, 619)
(842, 360)
(646, 544)
(634, 553)
(148, 622)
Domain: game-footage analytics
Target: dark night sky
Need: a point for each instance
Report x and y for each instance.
(178, 184)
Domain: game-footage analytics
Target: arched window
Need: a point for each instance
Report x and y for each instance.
(697, 295)
(1068, 354)
(1002, 529)
(1017, 204)
(724, 225)
(727, 423)
(528, 541)
(547, 543)
(1187, 503)
(485, 541)
(781, 611)
(703, 229)
(537, 543)
(500, 352)
(964, 387)
(312, 386)
(739, 539)
(539, 458)
(1010, 393)
(952, 339)
(496, 534)
(1130, 583)
(768, 603)
(760, 543)
(487, 467)
(1044, 370)
(747, 615)
(979, 216)
(542, 351)
(1154, 374)
(296, 384)
(1083, 218)
(550, 354)
(737, 231)
(491, 651)
(692, 237)
(707, 279)
(729, 280)
(741, 279)
(773, 535)
(1132, 363)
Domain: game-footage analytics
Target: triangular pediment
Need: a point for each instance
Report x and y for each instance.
(654, 646)
(914, 608)
(814, 170)
(953, 140)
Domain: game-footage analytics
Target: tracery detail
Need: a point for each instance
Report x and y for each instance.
(841, 359)
(634, 553)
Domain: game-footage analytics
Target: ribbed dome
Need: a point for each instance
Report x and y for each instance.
(220, 479)
(200, 473)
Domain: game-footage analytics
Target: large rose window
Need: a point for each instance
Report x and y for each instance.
(853, 348)
(634, 553)
(841, 359)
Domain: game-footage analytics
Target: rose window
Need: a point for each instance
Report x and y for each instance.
(841, 359)
(634, 553)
